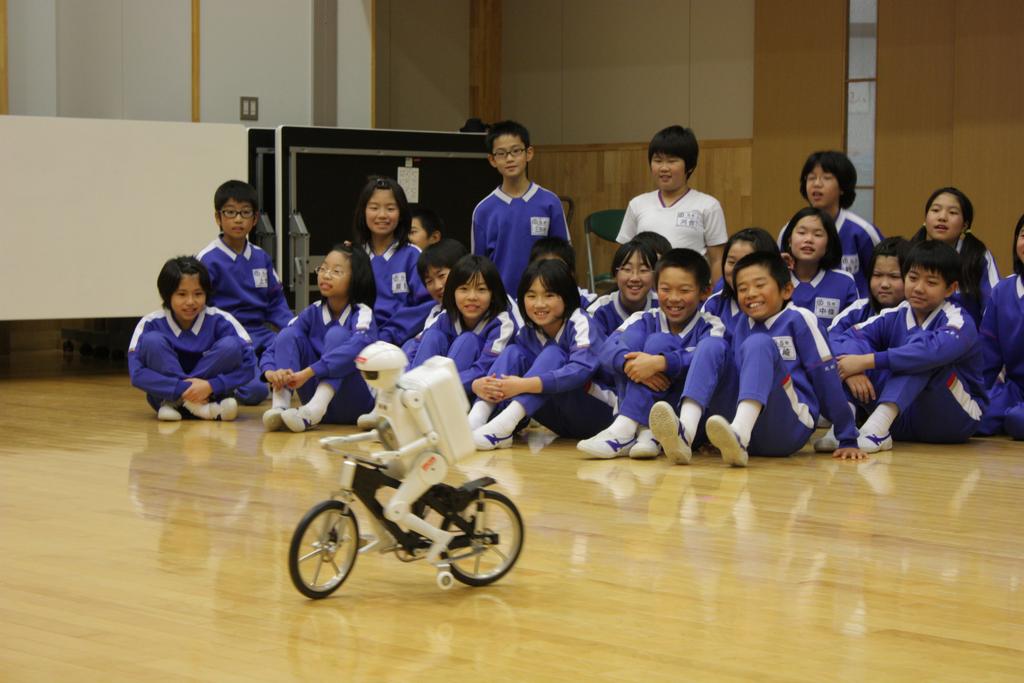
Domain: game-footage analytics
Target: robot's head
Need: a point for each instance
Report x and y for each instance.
(381, 364)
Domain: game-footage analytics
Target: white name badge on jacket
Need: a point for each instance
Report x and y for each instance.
(399, 285)
(259, 277)
(786, 348)
(539, 226)
(825, 307)
(690, 219)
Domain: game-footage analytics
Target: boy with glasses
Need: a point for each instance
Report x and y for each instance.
(511, 219)
(243, 278)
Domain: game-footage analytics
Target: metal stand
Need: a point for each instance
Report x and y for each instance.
(298, 278)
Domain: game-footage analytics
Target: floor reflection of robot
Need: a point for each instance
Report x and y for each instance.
(422, 425)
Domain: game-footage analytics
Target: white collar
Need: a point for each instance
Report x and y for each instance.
(247, 252)
(325, 312)
(770, 321)
(620, 309)
(558, 335)
(813, 282)
(176, 329)
(912, 319)
(663, 324)
(527, 196)
(457, 324)
(388, 253)
(1020, 287)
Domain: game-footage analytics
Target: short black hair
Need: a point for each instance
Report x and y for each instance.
(676, 141)
(169, 279)
(626, 251)
(933, 256)
(361, 231)
(500, 128)
(658, 243)
(761, 240)
(442, 254)
(833, 250)
(1018, 267)
(769, 260)
(362, 287)
(554, 246)
(429, 218)
(896, 247)
(839, 165)
(690, 261)
(464, 271)
(239, 190)
(554, 274)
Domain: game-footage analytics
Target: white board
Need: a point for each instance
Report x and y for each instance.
(90, 209)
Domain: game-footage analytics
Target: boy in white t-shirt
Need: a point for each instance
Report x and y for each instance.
(688, 218)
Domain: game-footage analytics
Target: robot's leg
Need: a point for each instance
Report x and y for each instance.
(427, 469)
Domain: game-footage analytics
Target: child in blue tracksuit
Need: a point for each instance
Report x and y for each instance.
(189, 355)
(787, 374)
(507, 222)
(380, 227)
(315, 354)
(475, 326)
(934, 390)
(948, 216)
(885, 287)
(244, 281)
(433, 266)
(650, 357)
(722, 302)
(546, 372)
(1002, 329)
(810, 240)
(556, 247)
(828, 181)
(633, 267)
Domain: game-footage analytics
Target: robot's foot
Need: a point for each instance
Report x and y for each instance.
(367, 421)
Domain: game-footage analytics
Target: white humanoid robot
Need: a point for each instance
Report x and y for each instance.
(421, 419)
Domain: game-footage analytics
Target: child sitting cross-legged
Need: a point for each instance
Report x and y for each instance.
(650, 355)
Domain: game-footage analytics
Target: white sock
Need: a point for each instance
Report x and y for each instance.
(204, 411)
(281, 398)
(480, 413)
(747, 413)
(645, 434)
(623, 428)
(690, 415)
(879, 422)
(506, 420)
(317, 406)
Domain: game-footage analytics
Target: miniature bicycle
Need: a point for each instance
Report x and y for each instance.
(487, 528)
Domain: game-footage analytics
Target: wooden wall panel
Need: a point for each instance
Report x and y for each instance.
(607, 176)
(799, 96)
(4, 104)
(485, 59)
(914, 125)
(988, 118)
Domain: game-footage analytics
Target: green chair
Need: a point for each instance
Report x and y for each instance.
(605, 225)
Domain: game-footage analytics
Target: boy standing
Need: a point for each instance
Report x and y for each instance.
(688, 218)
(509, 220)
(243, 277)
(932, 389)
(787, 374)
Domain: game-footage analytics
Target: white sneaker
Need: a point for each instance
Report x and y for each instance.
(721, 434)
(669, 432)
(272, 419)
(168, 412)
(298, 419)
(870, 443)
(486, 440)
(827, 443)
(605, 445)
(228, 410)
(646, 447)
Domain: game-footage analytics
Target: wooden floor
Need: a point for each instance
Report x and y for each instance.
(142, 551)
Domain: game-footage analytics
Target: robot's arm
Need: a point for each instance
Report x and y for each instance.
(337, 443)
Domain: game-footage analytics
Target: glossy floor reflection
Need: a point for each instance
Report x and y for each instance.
(135, 550)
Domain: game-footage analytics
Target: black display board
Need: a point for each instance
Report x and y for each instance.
(319, 172)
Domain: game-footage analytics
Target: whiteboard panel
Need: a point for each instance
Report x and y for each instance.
(91, 208)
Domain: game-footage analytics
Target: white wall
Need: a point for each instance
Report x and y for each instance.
(259, 48)
(355, 65)
(32, 56)
(93, 208)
